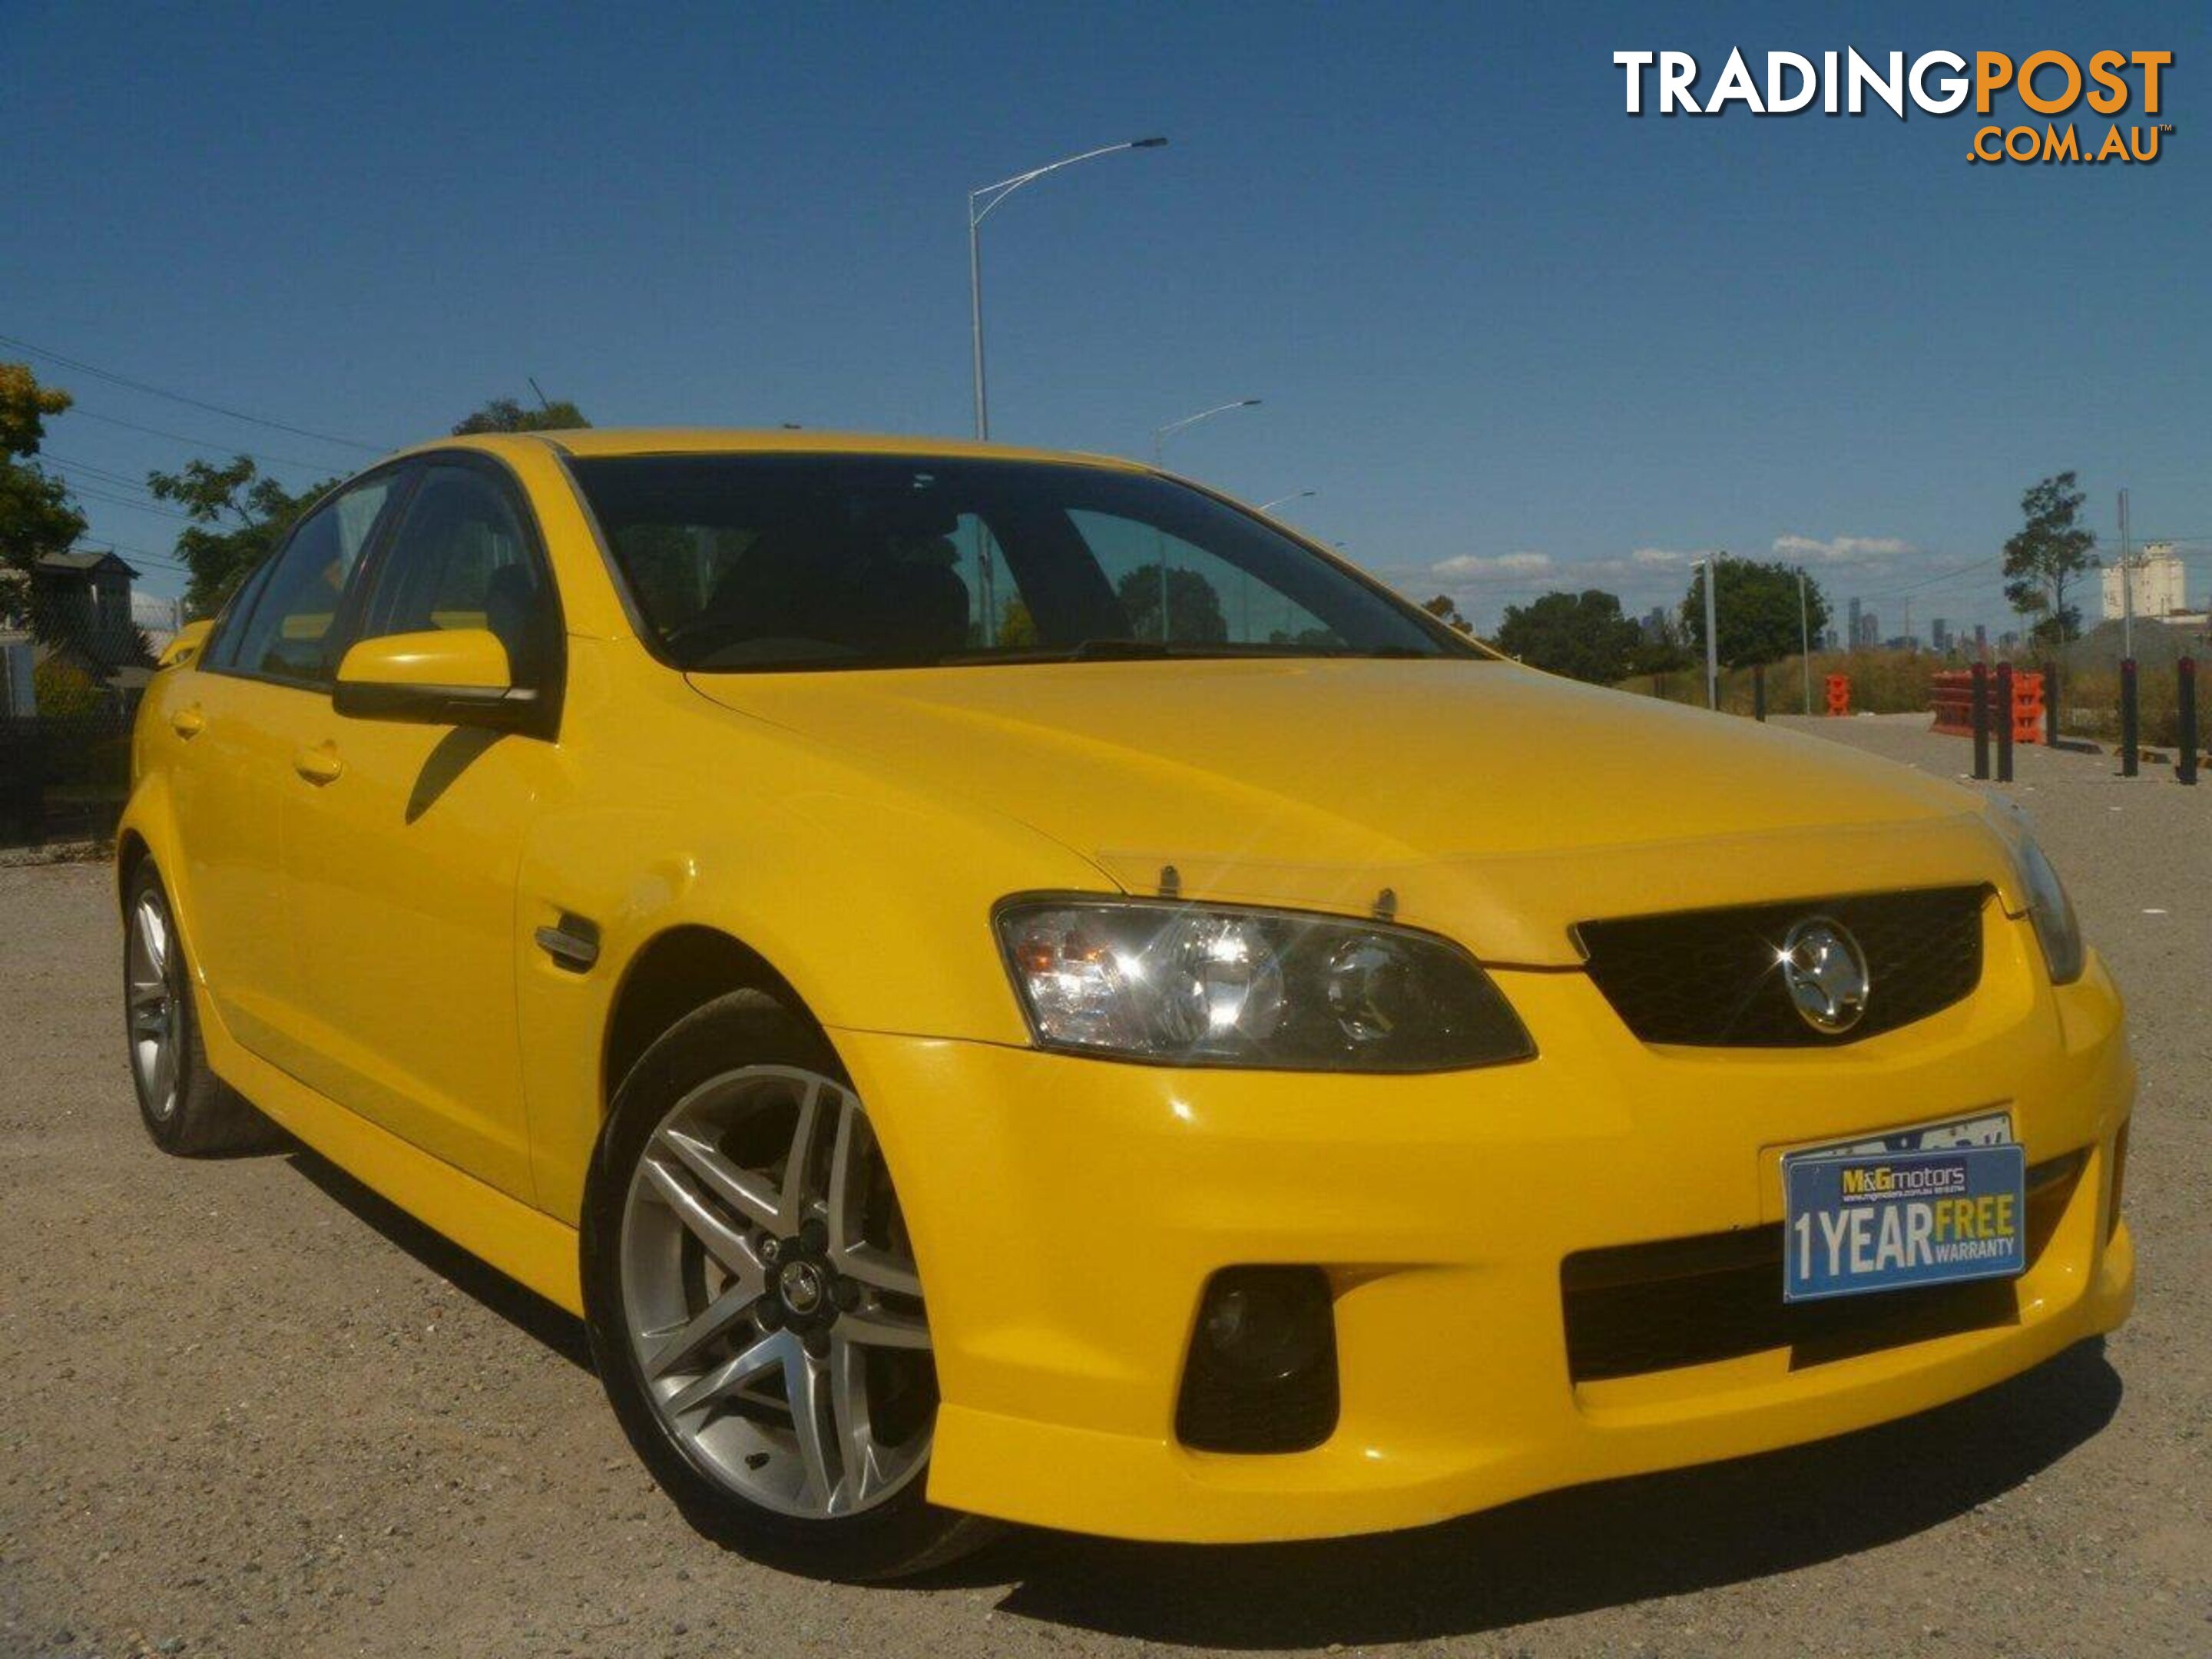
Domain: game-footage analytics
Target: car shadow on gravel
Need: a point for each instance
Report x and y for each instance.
(1575, 1550)
(552, 1325)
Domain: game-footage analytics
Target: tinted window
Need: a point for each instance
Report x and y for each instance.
(460, 558)
(289, 635)
(230, 621)
(829, 560)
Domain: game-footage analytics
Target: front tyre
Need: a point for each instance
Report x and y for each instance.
(753, 1301)
(188, 1110)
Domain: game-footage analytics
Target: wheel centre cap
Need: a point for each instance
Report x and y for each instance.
(802, 1285)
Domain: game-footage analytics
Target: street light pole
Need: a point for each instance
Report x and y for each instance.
(979, 204)
(1160, 437)
(1804, 639)
(1244, 577)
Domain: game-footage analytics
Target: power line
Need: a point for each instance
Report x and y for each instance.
(200, 443)
(100, 472)
(1932, 580)
(111, 499)
(114, 378)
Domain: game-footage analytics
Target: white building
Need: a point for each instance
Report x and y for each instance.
(2159, 580)
(157, 617)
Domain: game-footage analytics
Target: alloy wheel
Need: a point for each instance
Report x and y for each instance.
(770, 1296)
(154, 999)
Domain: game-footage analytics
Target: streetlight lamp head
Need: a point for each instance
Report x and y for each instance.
(1247, 403)
(1146, 143)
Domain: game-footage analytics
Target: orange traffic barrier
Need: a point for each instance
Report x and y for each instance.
(1952, 696)
(2026, 706)
(1840, 694)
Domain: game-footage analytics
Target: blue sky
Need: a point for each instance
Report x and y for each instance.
(1513, 338)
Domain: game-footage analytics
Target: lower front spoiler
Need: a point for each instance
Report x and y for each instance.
(1152, 1489)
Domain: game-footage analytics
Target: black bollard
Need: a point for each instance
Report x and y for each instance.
(2128, 765)
(2004, 713)
(1759, 691)
(1981, 673)
(2185, 720)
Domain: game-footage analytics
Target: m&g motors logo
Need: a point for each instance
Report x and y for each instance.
(2112, 84)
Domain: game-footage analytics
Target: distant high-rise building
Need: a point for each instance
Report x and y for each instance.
(1655, 629)
(1868, 630)
(1852, 631)
(1981, 639)
(1939, 635)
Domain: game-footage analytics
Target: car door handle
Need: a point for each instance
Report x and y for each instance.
(319, 766)
(188, 723)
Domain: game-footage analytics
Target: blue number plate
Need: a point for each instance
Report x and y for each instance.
(1863, 1219)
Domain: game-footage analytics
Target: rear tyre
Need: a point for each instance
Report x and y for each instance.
(754, 1305)
(188, 1110)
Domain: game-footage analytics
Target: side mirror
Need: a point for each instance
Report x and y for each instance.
(440, 677)
(184, 645)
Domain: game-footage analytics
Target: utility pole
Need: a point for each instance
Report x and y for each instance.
(1712, 642)
(2127, 589)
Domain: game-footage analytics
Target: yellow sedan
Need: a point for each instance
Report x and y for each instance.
(1008, 986)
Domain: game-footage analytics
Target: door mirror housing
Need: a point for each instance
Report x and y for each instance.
(184, 645)
(439, 676)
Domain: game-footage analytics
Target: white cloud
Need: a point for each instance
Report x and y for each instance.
(1506, 564)
(1841, 549)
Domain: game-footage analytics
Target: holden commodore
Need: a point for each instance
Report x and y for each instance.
(1008, 986)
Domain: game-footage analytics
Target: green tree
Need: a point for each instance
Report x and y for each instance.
(63, 692)
(506, 415)
(1756, 603)
(1193, 608)
(1444, 610)
(2047, 553)
(1583, 636)
(36, 515)
(239, 514)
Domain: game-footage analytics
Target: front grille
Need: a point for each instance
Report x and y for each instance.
(1712, 979)
(1642, 1308)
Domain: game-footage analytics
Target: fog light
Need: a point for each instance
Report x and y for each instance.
(1261, 1373)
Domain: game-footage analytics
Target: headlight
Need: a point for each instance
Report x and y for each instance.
(2048, 907)
(1204, 985)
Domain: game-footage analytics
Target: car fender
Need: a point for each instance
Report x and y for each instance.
(869, 897)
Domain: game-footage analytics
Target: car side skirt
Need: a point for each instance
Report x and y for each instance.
(525, 1244)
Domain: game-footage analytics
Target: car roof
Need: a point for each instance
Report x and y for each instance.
(601, 440)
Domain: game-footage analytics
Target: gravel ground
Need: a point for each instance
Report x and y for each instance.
(248, 1408)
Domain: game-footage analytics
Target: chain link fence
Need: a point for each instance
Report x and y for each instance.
(63, 778)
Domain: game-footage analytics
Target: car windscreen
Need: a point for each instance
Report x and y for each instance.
(757, 561)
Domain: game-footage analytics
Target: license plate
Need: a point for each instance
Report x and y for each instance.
(1926, 1207)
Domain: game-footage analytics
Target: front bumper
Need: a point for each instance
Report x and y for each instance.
(1067, 1213)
